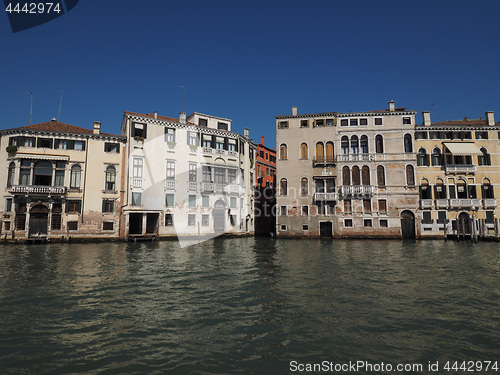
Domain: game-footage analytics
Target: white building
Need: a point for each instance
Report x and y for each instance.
(186, 177)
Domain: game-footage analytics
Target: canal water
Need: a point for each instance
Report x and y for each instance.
(246, 306)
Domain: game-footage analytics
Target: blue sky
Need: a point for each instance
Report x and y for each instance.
(252, 60)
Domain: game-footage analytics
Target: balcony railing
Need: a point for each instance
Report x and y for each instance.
(207, 150)
(220, 151)
(320, 162)
(460, 168)
(232, 153)
(207, 186)
(137, 182)
(355, 157)
(465, 203)
(441, 203)
(37, 189)
(356, 190)
(233, 188)
(426, 203)
(170, 185)
(489, 203)
(192, 186)
(325, 197)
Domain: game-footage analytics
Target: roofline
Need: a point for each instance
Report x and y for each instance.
(24, 129)
(215, 117)
(350, 114)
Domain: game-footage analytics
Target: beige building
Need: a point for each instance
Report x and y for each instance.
(186, 177)
(458, 173)
(61, 181)
(347, 174)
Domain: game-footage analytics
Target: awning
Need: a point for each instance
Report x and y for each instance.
(41, 156)
(463, 148)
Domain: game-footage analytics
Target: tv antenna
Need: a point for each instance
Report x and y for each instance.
(60, 104)
(30, 93)
(182, 87)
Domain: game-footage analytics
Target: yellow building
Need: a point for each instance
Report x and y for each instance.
(458, 173)
(60, 181)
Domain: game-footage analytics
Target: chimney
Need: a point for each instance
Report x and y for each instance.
(262, 141)
(246, 133)
(426, 118)
(391, 106)
(490, 118)
(156, 115)
(182, 117)
(97, 127)
(294, 111)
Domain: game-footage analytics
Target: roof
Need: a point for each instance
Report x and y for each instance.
(465, 121)
(57, 127)
(158, 117)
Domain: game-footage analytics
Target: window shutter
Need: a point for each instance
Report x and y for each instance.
(103, 205)
(66, 209)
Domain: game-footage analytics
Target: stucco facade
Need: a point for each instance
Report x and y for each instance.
(346, 174)
(60, 182)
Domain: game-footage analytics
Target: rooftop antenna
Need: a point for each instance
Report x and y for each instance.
(31, 105)
(182, 87)
(60, 104)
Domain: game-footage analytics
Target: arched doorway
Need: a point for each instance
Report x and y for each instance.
(464, 226)
(39, 218)
(219, 216)
(407, 225)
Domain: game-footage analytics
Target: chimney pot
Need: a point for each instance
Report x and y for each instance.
(156, 115)
(391, 106)
(426, 118)
(262, 141)
(490, 118)
(294, 111)
(97, 127)
(182, 117)
(246, 132)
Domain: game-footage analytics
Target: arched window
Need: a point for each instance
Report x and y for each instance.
(283, 187)
(365, 175)
(380, 176)
(354, 144)
(425, 191)
(410, 176)
(11, 174)
(344, 145)
(329, 152)
(422, 157)
(283, 152)
(346, 176)
(379, 144)
(461, 189)
(76, 177)
(484, 159)
(304, 186)
(356, 180)
(42, 173)
(440, 189)
(320, 152)
(407, 143)
(487, 189)
(110, 178)
(364, 144)
(303, 151)
(437, 158)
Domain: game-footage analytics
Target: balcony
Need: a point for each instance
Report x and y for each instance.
(207, 150)
(426, 203)
(232, 153)
(233, 188)
(357, 190)
(170, 185)
(207, 186)
(318, 197)
(441, 203)
(465, 203)
(38, 189)
(219, 188)
(137, 182)
(460, 168)
(489, 203)
(192, 186)
(323, 162)
(220, 151)
(355, 157)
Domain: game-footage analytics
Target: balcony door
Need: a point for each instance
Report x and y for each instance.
(42, 173)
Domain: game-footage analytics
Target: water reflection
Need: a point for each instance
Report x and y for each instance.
(240, 306)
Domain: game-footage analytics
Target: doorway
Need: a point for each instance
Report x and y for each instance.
(325, 229)
(407, 225)
(39, 219)
(464, 226)
(135, 223)
(151, 223)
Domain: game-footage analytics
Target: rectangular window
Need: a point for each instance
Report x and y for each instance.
(367, 223)
(202, 122)
(363, 121)
(231, 146)
(205, 220)
(170, 135)
(490, 217)
(378, 120)
(383, 223)
(55, 222)
(406, 120)
(481, 135)
(79, 146)
(191, 220)
(136, 199)
(233, 202)
(222, 126)
(382, 205)
(192, 138)
(305, 227)
(305, 210)
(353, 122)
(367, 205)
(207, 141)
(137, 167)
(219, 143)
(112, 147)
(170, 170)
(169, 200)
(72, 225)
(108, 206)
(347, 205)
(283, 227)
(8, 205)
(107, 225)
(420, 135)
(73, 206)
(59, 178)
(330, 122)
(344, 122)
(283, 125)
(169, 220)
(206, 173)
(319, 122)
(192, 172)
(192, 201)
(304, 123)
(205, 201)
(231, 176)
(139, 131)
(20, 221)
(426, 217)
(44, 143)
(348, 223)
(220, 175)
(283, 211)
(441, 217)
